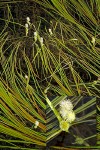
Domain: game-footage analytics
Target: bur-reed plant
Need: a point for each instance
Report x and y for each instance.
(62, 63)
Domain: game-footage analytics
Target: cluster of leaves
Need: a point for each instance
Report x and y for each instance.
(68, 63)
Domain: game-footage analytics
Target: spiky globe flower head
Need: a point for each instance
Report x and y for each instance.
(70, 117)
(64, 125)
(66, 104)
(63, 113)
(66, 111)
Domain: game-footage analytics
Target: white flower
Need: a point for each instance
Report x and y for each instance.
(50, 31)
(41, 40)
(26, 29)
(66, 111)
(26, 76)
(70, 116)
(66, 104)
(63, 113)
(26, 25)
(35, 35)
(28, 20)
(74, 39)
(36, 124)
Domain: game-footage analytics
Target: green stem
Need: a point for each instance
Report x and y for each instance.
(53, 109)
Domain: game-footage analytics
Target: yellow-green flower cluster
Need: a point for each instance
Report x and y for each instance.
(64, 125)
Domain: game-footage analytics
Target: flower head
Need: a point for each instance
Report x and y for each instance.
(64, 125)
(28, 20)
(66, 111)
(26, 76)
(35, 35)
(70, 117)
(63, 113)
(66, 104)
(50, 31)
(36, 124)
(41, 40)
(26, 25)
(26, 29)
